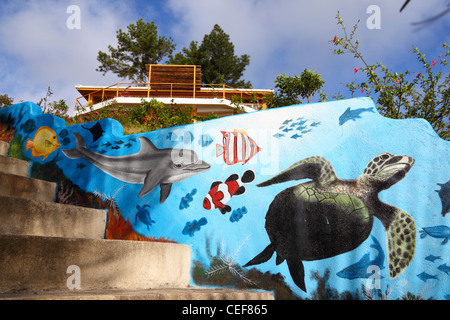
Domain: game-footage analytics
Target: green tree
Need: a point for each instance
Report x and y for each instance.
(218, 60)
(399, 95)
(5, 101)
(139, 46)
(291, 90)
(59, 108)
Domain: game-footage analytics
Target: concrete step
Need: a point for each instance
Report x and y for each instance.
(36, 218)
(37, 264)
(22, 187)
(14, 166)
(4, 147)
(156, 294)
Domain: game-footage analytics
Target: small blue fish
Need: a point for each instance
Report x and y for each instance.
(187, 199)
(238, 214)
(442, 232)
(296, 136)
(287, 121)
(444, 268)
(353, 114)
(306, 131)
(425, 276)
(132, 139)
(116, 147)
(287, 130)
(205, 140)
(432, 258)
(80, 165)
(128, 145)
(192, 227)
(119, 142)
(301, 127)
(315, 124)
(278, 135)
(108, 144)
(144, 216)
(359, 269)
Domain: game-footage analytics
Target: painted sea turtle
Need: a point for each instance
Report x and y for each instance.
(328, 216)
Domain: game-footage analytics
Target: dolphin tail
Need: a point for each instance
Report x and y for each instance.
(76, 153)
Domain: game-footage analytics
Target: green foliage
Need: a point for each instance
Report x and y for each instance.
(147, 116)
(399, 95)
(59, 108)
(217, 58)
(139, 46)
(291, 90)
(5, 101)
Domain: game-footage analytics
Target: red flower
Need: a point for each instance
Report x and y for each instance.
(145, 119)
(96, 112)
(335, 37)
(356, 70)
(434, 63)
(418, 75)
(362, 90)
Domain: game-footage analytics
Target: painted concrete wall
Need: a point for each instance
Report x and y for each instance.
(321, 201)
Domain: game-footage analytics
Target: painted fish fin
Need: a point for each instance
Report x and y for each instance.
(297, 272)
(147, 146)
(316, 168)
(401, 240)
(30, 144)
(225, 209)
(75, 153)
(219, 150)
(233, 177)
(445, 241)
(215, 184)
(165, 191)
(240, 191)
(248, 176)
(150, 183)
(265, 255)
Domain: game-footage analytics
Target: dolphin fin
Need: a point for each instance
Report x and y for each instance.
(297, 272)
(165, 191)
(147, 146)
(150, 183)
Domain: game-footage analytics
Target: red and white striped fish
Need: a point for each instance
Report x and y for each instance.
(237, 147)
(222, 192)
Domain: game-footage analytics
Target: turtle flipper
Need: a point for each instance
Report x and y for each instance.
(401, 241)
(265, 255)
(297, 272)
(316, 168)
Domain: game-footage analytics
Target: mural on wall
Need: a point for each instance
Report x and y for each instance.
(316, 201)
(329, 216)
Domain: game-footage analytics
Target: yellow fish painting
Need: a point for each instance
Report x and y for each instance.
(43, 143)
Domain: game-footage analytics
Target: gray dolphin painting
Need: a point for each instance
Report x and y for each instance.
(150, 166)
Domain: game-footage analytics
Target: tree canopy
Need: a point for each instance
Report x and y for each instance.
(139, 46)
(218, 60)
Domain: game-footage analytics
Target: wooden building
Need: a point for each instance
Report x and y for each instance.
(172, 84)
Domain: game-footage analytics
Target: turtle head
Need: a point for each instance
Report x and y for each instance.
(385, 170)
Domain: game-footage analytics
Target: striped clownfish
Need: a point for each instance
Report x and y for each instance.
(237, 147)
(221, 192)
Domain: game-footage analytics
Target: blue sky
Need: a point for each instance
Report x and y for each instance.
(37, 49)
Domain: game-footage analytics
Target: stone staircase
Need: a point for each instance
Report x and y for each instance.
(51, 251)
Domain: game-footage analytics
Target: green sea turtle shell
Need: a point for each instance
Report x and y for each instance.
(308, 223)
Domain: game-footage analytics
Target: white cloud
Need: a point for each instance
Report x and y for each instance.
(287, 36)
(41, 51)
